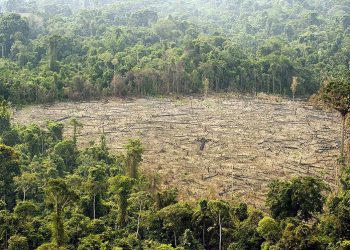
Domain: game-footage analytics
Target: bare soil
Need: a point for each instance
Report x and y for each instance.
(249, 141)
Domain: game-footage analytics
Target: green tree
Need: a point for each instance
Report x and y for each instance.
(7, 227)
(138, 202)
(303, 197)
(9, 168)
(26, 209)
(32, 138)
(50, 246)
(53, 43)
(269, 229)
(25, 182)
(222, 221)
(17, 242)
(335, 93)
(299, 237)
(5, 122)
(176, 218)
(55, 130)
(95, 184)
(76, 125)
(91, 242)
(133, 157)
(201, 220)
(12, 26)
(245, 235)
(121, 187)
(189, 242)
(60, 196)
(67, 151)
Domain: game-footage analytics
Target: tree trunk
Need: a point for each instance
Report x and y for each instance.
(175, 239)
(138, 220)
(203, 235)
(343, 136)
(75, 135)
(280, 87)
(94, 206)
(173, 89)
(220, 236)
(295, 110)
(57, 228)
(6, 238)
(58, 222)
(24, 194)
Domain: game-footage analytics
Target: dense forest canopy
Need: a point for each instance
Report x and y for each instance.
(56, 195)
(58, 50)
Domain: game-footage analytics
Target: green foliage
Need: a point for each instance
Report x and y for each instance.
(26, 209)
(269, 229)
(52, 191)
(166, 197)
(32, 140)
(12, 28)
(66, 150)
(303, 197)
(91, 242)
(246, 235)
(56, 130)
(79, 50)
(202, 220)
(337, 222)
(17, 242)
(188, 242)
(176, 219)
(335, 93)
(241, 212)
(5, 122)
(50, 246)
(150, 245)
(76, 124)
(345, 178)
(60, 196)
(9, 168)
(133, 157)
(299, 237)
(121, 187)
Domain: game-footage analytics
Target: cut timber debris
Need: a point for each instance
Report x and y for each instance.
(252, 140)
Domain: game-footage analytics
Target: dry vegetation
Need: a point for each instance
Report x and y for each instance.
(249, 141)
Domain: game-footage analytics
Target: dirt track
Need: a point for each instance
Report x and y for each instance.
(251, 141)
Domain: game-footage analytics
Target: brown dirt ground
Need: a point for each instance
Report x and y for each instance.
(252, 140)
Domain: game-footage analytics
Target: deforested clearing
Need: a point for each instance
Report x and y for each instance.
(218, 147)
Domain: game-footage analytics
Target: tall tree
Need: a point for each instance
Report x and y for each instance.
(303, 197)
(121, 187)
(95, 184)
(336, 94)
(202, 220)
(9, 168)
(52, 51)
(12, 27)
(133, 157)
(5, 121)
(60, 196)
(25, 182)
(76, 125)
(176, 218)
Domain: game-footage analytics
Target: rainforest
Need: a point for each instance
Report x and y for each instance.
(187, 125)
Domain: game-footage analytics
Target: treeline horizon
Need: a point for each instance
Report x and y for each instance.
(55, 51)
